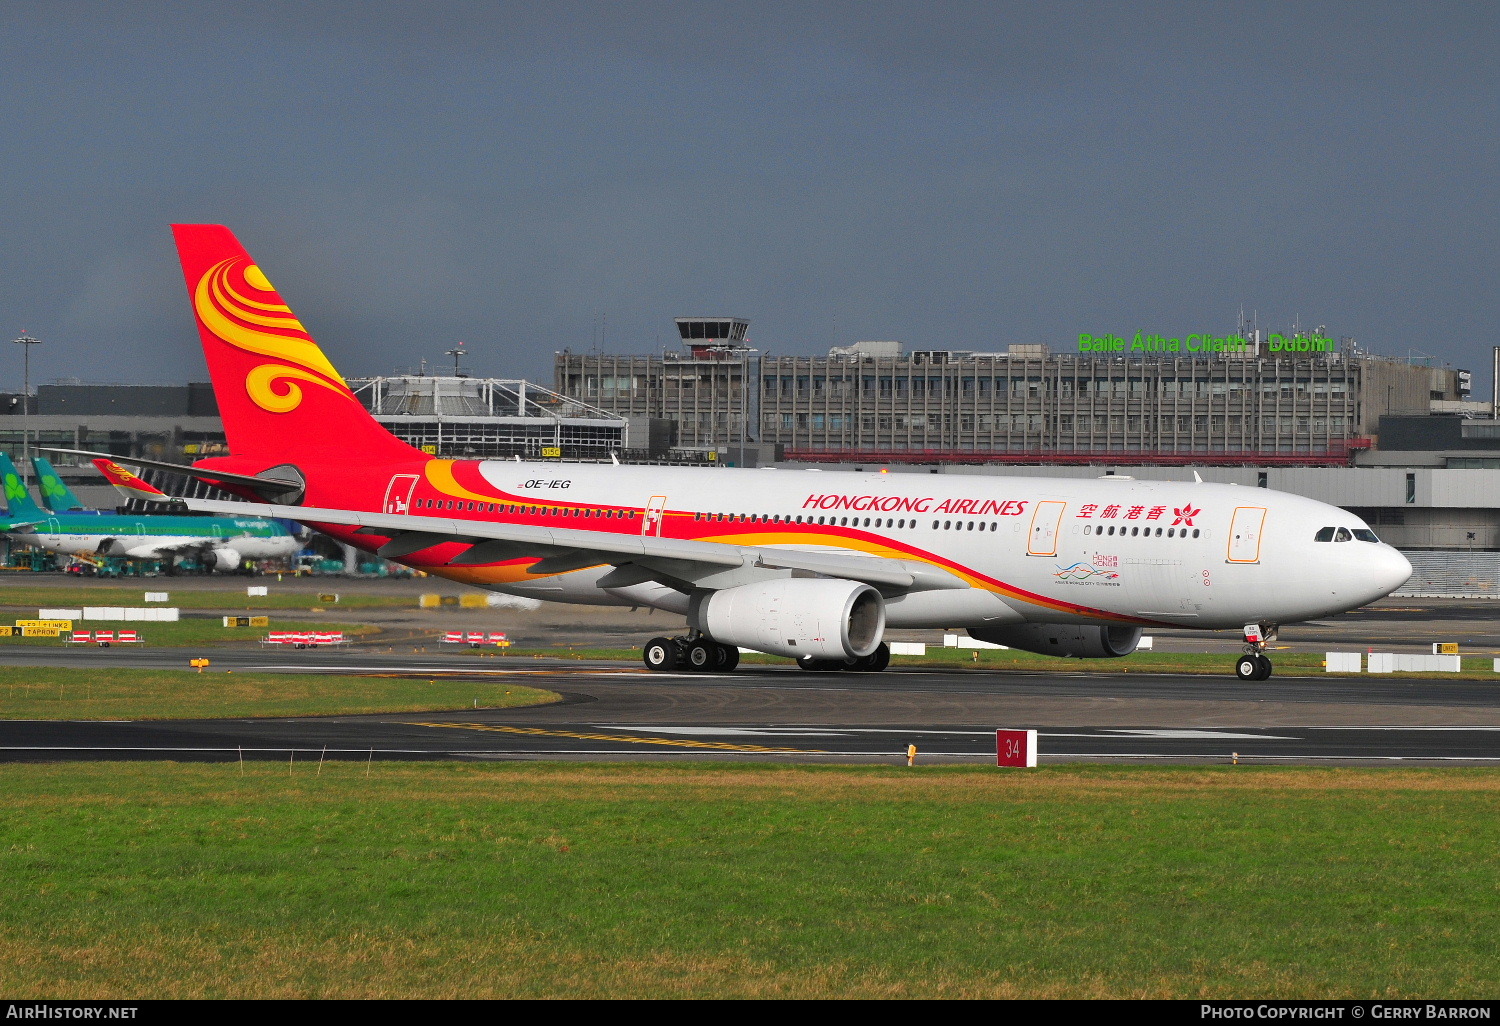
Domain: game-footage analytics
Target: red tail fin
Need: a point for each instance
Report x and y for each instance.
(279, 397)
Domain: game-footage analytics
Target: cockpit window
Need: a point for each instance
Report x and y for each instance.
(1365, 534)
(1343, 535)
(1324, 535)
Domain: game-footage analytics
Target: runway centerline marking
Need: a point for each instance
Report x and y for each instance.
(1167, 733)
(721, 746)
(742, 731)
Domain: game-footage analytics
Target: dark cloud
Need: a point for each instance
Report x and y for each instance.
(518, 175)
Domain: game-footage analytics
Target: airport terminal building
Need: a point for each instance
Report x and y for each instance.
(872, 402)
(456, 416)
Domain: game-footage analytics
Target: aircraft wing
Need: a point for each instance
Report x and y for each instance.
(697, 563)
(204, 474)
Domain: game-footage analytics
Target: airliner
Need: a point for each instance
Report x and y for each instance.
(810, 565)
(57, 497)
(70, 529)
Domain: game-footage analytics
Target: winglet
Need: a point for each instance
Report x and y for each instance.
(127, 484)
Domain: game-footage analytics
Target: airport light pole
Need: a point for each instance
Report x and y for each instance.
(456, 352)
(26, 342)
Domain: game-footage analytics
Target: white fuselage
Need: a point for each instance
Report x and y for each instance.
(1188, 554)
(49, 537)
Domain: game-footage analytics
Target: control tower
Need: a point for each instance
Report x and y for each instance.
(714, 338)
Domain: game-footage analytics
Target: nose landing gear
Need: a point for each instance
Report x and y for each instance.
(1254, 665)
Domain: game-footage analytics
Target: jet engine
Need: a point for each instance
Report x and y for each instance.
(1078, 640)
(226, 558)
(825, 618)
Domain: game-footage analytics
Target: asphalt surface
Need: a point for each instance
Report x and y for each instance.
(616, 711)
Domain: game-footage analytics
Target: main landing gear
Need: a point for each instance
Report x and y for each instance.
(694, 652)
(1254, 665)
(698, 652)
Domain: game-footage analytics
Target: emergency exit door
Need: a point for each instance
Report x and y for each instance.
(398, 493)
(653, 514)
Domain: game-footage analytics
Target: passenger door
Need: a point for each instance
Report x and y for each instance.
(1245, 534)
(1046, 520)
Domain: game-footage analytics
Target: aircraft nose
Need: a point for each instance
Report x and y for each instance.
(1389, 570)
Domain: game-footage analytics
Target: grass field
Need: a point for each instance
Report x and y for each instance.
(187, 633)
(123, 694)
(535, 880)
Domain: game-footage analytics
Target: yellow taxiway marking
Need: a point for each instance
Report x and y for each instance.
(722, 746)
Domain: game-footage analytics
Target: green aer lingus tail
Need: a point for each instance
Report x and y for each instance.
(56, 496)
(223, 542)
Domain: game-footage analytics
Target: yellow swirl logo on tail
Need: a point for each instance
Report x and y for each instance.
(225, 302)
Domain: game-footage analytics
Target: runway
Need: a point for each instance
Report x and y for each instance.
(614, 711)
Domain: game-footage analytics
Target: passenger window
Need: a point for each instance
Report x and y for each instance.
(1195, 532)
(1325, 535)
(1343, 535)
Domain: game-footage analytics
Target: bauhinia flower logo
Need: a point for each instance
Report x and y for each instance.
(1185, 515)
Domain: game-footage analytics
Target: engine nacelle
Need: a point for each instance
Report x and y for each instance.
(1078, 640)
(824, 618)
(226, 558)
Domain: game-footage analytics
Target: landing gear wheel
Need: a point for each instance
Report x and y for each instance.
(876, 661)
(812, 663)
(701, 655)
(726, 657)
(1248, 667)
(1263, 672)
(660, 654)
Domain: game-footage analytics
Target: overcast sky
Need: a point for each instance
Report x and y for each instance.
(525, 177)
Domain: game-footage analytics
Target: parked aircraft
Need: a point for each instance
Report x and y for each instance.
(801, 563)
(223, 542)
(57, 497)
